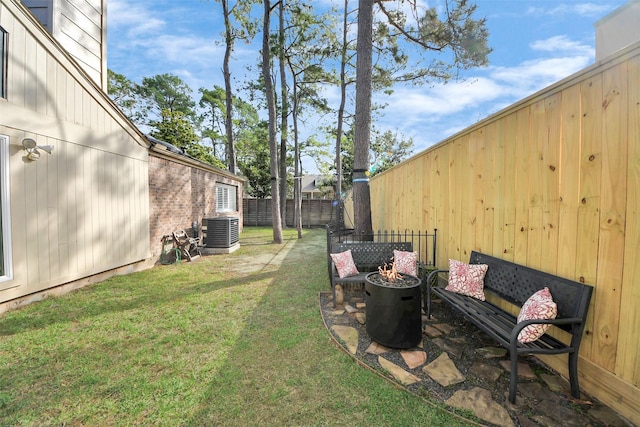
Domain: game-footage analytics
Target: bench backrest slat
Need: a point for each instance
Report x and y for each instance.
(516, 283)
(371, 255)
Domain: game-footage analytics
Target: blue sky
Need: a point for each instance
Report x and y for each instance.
(535, 43)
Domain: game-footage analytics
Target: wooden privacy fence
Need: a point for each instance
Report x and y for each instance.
(551, 182)
(315, 213)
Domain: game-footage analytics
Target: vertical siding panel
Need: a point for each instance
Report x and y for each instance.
(551, 181)
(612, 219)
(51, 89)
(66, 171)
(414, 184)
(439, 209)
(53, 209)
(536, 202)
(456, 189)
(75, 197)
(497, 140)
(69, 97)
(467, 193)
(509, 142)
(521, 199)
(487, 199)
(60, 92)
(30, 76)
(41, 212)
(40, 80)
(589, 209)
(569, 174)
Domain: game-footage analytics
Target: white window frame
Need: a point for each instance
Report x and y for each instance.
(4, 61)
(226, 198)
(7, 260)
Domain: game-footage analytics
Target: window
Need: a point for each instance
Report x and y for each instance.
(4, 37)
(6, 271)
(225, 198)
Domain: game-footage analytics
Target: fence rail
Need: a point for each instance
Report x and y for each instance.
(424, 243)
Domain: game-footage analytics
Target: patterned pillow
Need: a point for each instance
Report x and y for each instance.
(539, 306)
(344, 263)
(467, 279)
(406, 262)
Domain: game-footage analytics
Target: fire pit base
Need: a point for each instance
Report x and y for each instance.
(393, 314)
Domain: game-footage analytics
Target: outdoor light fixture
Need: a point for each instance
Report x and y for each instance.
(32, 147)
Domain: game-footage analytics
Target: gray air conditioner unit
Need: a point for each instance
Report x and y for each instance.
(221, 232)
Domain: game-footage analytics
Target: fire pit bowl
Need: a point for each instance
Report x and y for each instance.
(393, 311)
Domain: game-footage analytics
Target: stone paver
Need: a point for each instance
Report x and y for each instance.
(524, 370)
(413, 359)
(432, 332)
(456, 351)
(479, 401)
(375, 348)
(444, 371)
(491, 352)
(486, 372)
(349, 335)
(403, 377)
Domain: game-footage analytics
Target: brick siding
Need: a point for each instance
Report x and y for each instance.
(180, 194)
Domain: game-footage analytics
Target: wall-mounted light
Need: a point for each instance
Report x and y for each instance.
(32, 147)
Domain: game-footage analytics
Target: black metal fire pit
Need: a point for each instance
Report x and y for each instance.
(393, 313)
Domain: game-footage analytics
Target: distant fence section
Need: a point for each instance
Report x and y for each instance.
(315, 212)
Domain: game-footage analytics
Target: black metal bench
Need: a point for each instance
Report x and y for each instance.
(367, 256)
(515, 284)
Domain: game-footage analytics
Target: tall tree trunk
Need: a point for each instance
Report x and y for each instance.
(228, 124)
(271, 107)
(361, 191)
(283, 117)
(297, 180)
(343, 100)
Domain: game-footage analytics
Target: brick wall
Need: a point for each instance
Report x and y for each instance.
(180, 194)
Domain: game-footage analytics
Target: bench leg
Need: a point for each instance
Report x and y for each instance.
(513, 382)
(573, 375)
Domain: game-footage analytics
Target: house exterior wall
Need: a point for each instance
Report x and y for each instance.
(182, 191)
(618, 30)
(552, 182)
(80, 26)
(82, 210)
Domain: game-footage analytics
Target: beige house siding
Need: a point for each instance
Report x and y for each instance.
(78, 25)
(84, 209)
(552, 182)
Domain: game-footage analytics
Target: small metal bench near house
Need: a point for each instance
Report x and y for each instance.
(367, 256)
(515, 284)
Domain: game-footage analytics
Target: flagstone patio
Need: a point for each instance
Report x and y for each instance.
(460, 366)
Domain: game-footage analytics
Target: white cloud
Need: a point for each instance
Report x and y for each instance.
(562, 43)
(591, 10)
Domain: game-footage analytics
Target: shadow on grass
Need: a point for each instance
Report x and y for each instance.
(119, 298)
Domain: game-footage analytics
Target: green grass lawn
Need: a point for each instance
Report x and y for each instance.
(224, 340)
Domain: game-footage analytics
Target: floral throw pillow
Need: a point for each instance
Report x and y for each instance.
(406, 262)
(539, 306)
(467, 279)
(344, 264)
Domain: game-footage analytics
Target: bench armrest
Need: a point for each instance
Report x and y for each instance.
(430, 277)
(521, 325)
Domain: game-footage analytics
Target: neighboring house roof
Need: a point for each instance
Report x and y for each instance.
(313, 183)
